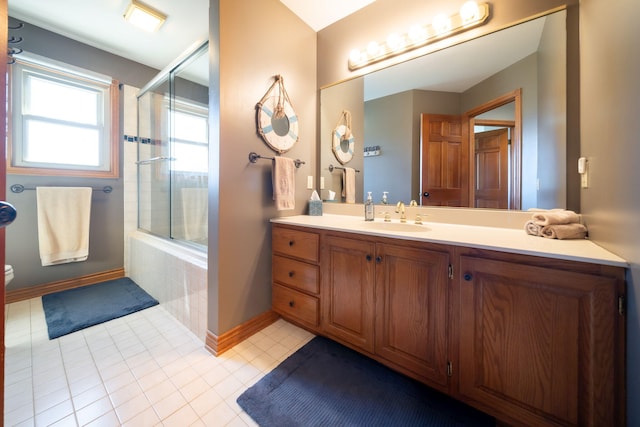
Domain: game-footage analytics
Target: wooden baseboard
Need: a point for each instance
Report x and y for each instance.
(219, 344)
(22, 294)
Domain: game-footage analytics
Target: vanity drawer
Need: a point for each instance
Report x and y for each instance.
(296, 274)
(295, 305)
(299, 244)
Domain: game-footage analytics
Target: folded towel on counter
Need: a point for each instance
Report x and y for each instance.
(555, 217)
(63, 224)
(545, 210)
(284, 189)
(349, 185)
(532, 228)
(564, 231)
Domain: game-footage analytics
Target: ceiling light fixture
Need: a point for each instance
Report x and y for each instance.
(471, 15)
(143, 16)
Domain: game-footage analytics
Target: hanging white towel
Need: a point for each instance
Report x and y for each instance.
(284, 189)
(194, 213)
(349, 185)
(63, 224)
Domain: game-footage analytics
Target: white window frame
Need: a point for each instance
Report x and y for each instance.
(107, 124)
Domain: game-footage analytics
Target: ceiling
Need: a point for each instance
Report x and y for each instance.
(100, 23)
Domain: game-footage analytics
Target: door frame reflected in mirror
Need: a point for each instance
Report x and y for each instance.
(515, 154)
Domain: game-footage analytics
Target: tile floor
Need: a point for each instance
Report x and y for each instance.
(145, 369)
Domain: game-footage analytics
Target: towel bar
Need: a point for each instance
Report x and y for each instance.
(19, 188)
(154, 159)
(331, 168)
(253, 157)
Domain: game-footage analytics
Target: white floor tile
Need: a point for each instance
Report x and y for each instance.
(145, 369)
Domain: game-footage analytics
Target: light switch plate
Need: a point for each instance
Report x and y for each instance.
(309, 182)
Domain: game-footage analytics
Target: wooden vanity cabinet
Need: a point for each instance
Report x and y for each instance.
(541, 341)
(412, 309)
(388, 300)
(348, 274)
(530, 340)
(296, 276)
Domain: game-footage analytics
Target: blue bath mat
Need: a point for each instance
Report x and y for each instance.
(327, 384)
(75, 309)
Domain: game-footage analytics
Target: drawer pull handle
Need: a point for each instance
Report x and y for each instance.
(291, 273)
(291, 242)
(291, 303)
(468, 277)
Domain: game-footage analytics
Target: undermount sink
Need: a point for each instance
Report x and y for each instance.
(396, 226)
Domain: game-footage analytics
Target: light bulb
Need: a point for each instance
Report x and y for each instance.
(469, 12)
(417, 33)
(441, 23)
(355, 56)
(395, 41)
(373, 48)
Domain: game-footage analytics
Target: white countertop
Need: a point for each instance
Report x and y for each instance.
(493, 238)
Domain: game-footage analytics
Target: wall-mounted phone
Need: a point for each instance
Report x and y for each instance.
(583, 170)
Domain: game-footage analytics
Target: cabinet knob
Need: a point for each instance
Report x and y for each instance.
(468, 276)
(369, 257)
(291, 273)
(291, 304)
(378, 259)
(291, 242)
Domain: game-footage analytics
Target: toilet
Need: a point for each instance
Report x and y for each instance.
(8, 274)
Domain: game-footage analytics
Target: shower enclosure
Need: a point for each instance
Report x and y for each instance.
(173, 150)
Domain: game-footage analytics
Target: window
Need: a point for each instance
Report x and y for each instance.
(64, 120)
(190, 138)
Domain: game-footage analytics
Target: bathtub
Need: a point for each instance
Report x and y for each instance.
(174, 274)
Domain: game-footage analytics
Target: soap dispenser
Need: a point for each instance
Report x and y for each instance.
(368, 208)
(385, 198)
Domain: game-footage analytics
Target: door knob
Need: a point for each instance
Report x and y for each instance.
(7, 214)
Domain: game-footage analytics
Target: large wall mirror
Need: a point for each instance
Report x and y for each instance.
(504, 93)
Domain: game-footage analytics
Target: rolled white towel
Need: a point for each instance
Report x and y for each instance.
(532, 228)
(564, 231)
(555, 217)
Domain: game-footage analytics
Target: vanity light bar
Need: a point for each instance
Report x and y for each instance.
(471, 15)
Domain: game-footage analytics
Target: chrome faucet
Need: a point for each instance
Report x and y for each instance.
(400, 210)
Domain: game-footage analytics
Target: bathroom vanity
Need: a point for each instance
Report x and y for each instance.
(529, 330)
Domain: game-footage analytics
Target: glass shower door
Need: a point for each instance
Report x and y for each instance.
(154, 154)
(173, 159)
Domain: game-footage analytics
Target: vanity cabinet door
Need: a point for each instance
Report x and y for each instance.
(538, 344)
(348, 290)
(412, 306)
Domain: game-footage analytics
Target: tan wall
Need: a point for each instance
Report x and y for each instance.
(257, 40)
(610, 104)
